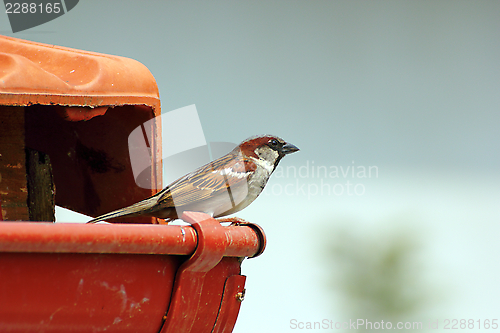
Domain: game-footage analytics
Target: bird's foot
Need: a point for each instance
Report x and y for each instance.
(235, 221)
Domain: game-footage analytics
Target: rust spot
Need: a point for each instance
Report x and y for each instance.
(240, 296)
(17, 166)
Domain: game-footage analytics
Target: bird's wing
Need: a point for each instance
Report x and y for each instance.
(221, 175)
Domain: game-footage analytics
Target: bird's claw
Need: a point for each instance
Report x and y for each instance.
(235, 221)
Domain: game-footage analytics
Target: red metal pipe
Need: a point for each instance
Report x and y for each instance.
(243, 241)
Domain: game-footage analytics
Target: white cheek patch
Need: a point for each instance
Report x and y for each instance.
(267, 158)
(267, 165)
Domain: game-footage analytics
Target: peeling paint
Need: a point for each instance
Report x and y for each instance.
(123, 295)
(133, 305)
(79, 289)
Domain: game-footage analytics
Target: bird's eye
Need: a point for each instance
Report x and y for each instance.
(274, 144)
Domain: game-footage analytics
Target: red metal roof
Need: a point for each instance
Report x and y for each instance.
(79, 108)
(36, 73)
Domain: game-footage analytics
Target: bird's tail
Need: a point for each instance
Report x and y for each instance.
(140, 208)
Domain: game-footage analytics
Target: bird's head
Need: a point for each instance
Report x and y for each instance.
(267, 148)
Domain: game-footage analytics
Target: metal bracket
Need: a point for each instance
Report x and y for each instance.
(188, 286)
(204, 302)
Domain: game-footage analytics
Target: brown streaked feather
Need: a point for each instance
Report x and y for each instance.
(207, 181)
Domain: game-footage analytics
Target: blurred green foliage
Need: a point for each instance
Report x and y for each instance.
(377, 273)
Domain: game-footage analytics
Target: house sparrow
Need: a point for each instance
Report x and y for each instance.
(219, 188)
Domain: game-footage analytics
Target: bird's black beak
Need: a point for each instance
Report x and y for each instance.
(288, 148)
